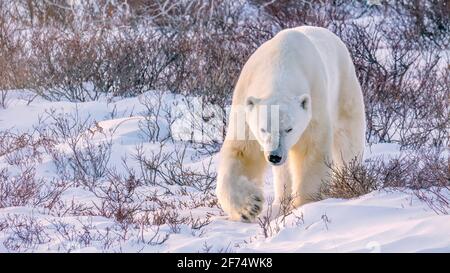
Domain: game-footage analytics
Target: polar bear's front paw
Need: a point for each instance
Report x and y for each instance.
(246, 201)
(252, 207)
(240, 198)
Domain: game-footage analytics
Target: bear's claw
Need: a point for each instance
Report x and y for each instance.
(252, 209)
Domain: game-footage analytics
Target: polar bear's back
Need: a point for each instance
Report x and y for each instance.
(334, 55)
(331, 49)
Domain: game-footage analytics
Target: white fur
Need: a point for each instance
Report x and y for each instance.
(308, 75)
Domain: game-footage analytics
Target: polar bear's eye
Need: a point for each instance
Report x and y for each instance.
(263, 130)
(288, 130)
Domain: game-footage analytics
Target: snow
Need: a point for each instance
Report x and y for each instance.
(381, 221)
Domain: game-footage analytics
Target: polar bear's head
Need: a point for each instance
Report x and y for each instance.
(278, 123)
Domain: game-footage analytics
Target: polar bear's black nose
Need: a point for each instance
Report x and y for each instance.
(274, 159)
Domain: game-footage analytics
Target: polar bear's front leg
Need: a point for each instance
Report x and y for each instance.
(309, 174)
(240, 185)
(308, 164)
(282, 202)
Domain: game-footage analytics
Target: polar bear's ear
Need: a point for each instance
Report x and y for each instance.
(304, 101)
(250, 102)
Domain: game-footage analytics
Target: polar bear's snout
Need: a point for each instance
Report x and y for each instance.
(276, 157)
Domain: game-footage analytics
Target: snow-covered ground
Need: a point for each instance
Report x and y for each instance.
(381, 221)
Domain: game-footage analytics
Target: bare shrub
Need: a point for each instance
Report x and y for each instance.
(19, 183)
(135, 62)
(424, 172)
(353, 180)
(424, 23)
(325, 13)
(13, 74)
(19, 148)
(81, 66)
(156, 239)
(20, 189)
(63, 64)
(84, 235)
(403, 104)
(177, 173)
(425, 116)
(156, 115)
(118, 198)
(25, 189)
(25, 233)
(199, 223)
(80, 59)
(87, 159)
(60, 208)
(3, 98)
(169, 168)
(150, 165)
(271, 225)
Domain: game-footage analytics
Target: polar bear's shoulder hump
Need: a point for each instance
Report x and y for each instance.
(305, 32)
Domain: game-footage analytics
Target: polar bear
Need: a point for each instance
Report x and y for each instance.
(297, 106)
